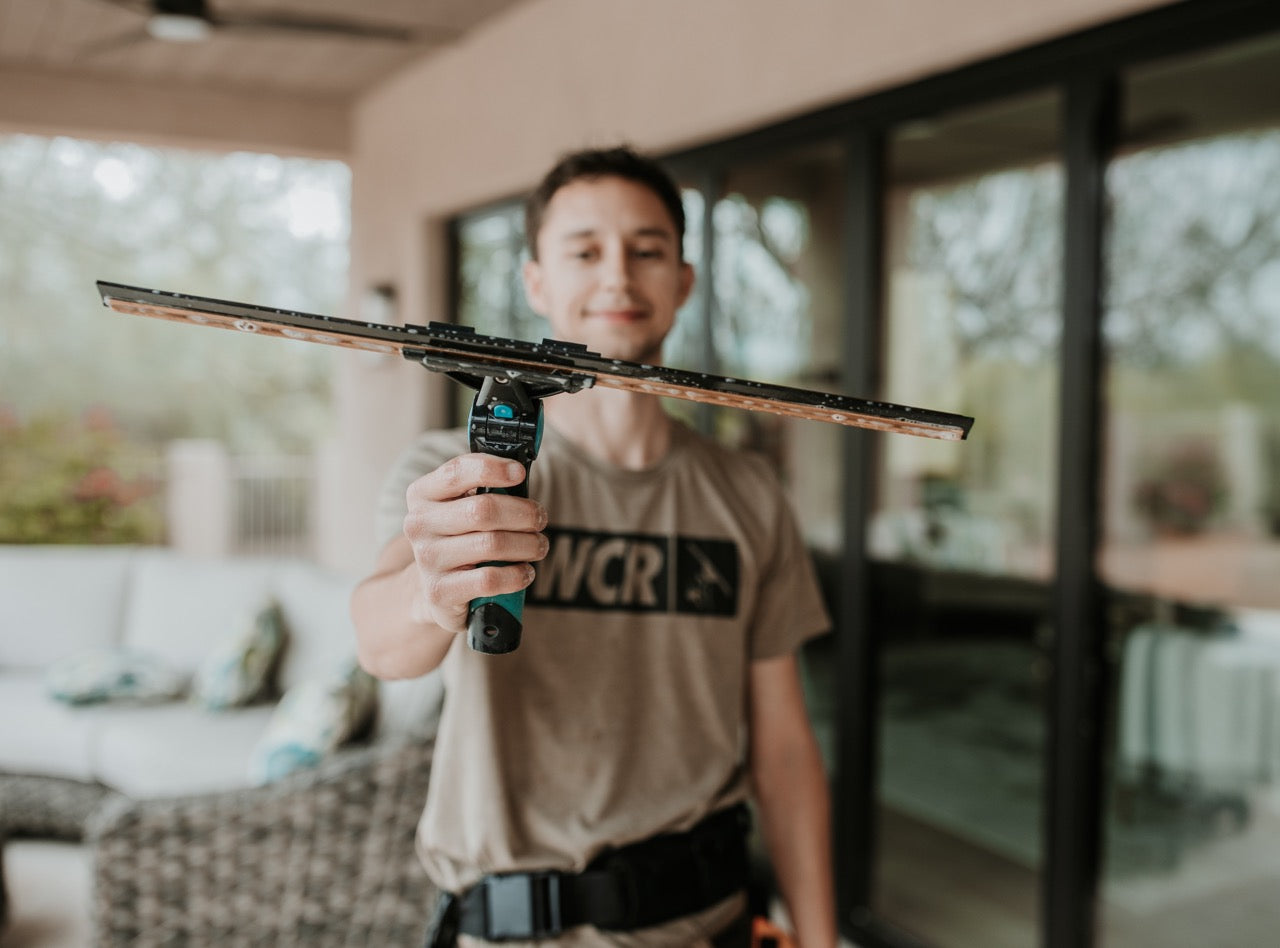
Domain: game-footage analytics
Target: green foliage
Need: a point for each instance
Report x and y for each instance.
(64, 482)
(240, 226)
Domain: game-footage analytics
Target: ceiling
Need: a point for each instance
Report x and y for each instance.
(74, 39)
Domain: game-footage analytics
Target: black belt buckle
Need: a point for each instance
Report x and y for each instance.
(523, 905)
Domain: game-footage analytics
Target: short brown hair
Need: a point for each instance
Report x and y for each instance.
(618, 162)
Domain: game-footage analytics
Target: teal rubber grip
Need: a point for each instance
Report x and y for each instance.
(505, 421)
(494, 623)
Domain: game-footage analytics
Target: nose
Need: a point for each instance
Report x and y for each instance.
(615, 267)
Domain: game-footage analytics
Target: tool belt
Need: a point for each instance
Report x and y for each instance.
(636, 886)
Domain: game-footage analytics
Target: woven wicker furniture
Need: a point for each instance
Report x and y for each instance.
(322, 858)
(47, 807)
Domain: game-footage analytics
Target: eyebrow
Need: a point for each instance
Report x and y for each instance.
(588, 232)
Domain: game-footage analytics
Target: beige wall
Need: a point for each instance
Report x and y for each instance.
(481, 121)
(49, 102)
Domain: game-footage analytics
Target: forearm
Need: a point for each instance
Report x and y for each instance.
(795, 811)
(392, 639)
(791, 787)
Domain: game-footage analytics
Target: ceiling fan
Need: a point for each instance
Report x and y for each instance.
(193, 21)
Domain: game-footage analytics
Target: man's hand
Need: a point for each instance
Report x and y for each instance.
(452, 530)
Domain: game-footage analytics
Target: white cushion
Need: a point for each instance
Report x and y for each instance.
(178, 749)
(42, 736)
(313, 719)
(113, 674)
(58, 600)
(240, 668)
(317, 618)
(410, 708)
(179, 607)
(1261, 625)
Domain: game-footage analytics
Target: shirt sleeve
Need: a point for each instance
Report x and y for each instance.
(422, 456)
(790, 609)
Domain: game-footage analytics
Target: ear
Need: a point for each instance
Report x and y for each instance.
(687, 278)
(531, 274)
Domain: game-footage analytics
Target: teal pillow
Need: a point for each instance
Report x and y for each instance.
(113, 674)
(312, 719)
(241, 668)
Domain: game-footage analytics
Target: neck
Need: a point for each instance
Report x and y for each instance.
(625, 429)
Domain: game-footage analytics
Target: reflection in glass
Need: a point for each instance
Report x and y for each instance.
(685, 347)
(973, 327)
(490, 290)
(778, 316)
(1191, 506)
(961, 534)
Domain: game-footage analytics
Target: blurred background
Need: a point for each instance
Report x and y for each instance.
(1051, 704)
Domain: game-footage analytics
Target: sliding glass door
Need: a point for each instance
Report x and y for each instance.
(961, 535)
(1191, 504)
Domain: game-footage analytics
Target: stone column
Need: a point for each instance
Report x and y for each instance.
(198, 499)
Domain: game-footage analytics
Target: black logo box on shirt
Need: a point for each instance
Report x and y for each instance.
(637, 572)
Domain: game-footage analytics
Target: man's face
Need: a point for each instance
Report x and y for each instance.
(609, 272)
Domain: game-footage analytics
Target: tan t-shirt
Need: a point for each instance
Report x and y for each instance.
(623, 712)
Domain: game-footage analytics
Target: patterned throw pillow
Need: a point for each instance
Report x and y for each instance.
(241, 667)
(113, 674)
(313, 718)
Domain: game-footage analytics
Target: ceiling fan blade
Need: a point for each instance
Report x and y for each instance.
(113, 43)
(353, 29)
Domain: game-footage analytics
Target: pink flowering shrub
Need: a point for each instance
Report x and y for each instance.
(68, 481)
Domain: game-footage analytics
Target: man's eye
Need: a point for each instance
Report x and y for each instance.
(649, 253)
(583, 254)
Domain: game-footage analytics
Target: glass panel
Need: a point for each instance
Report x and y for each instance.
(1191, 504)
(961, 535)
(490, 291)
(686, 346)
(93, 408)
(778, 314)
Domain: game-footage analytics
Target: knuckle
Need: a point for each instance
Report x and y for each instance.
(452, 472)
(428, 556)
(413, 526)
(487, 545)
(412, 492)
(431, 590)
(482, 508)
(494, 580)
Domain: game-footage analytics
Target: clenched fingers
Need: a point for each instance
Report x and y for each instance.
(448, 595)
(444, 554)
(479, 513)
(463, 475)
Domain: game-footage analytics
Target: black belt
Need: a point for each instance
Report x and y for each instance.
(646, 883)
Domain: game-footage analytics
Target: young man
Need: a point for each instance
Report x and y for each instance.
(586, 789)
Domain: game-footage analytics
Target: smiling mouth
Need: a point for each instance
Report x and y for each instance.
(618, 315)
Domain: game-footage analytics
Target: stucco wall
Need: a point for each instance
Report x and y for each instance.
(47, 102)
(482, 120)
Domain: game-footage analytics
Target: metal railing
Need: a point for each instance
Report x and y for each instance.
(272, 501)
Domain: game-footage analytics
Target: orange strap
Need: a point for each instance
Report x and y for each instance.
(765, 934)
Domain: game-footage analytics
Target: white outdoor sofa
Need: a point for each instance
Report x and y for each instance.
(185, 849)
